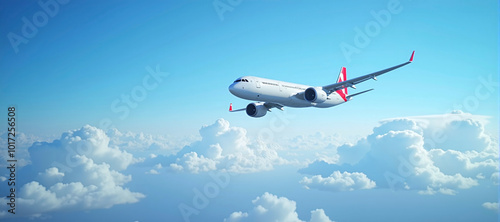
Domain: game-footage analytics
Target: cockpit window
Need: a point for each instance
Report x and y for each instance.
(241, 80)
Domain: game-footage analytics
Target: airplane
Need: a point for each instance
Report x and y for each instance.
(277, 94)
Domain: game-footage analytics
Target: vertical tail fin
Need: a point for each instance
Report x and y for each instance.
(342, 77)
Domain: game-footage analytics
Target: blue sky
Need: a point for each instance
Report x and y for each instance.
(86, 57)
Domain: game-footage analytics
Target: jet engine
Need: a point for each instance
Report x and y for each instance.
(256, 109)
(315, 95)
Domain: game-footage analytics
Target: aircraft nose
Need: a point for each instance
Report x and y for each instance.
(232, 89)
(235, 89)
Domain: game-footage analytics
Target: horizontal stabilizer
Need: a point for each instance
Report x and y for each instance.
(355, 94)
(235, 110)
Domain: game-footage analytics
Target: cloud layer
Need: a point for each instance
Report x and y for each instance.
(84, 168)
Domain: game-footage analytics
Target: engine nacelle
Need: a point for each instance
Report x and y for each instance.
(256, 110)
(315, 95)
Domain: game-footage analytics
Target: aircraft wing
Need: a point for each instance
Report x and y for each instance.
(352, 82)
(270, 105)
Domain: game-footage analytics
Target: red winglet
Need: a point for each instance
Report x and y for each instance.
(230, 107)
(411, 58)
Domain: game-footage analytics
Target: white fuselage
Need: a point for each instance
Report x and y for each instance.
(284, 93)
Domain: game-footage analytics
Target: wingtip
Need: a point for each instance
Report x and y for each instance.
(230, 107)
(412, 54)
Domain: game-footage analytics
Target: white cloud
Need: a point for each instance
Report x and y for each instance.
(339, 182)
(430, 155)
(495, 178)
(50, 176)
(193, 163)
(269, 207)
(402, 159)
(468, 163)
(98, 187)
(428, 191)
(88, 141)
(447, 191)
(432, 191)
(52, 172)
(155, 169)
(491, 206)
(176, 167)
(352, 153)
(454, 131)
(80, 171)
(152, 171)
(236, 216)
(97, 143)
(480, 176)
(319, 215)
(223, 147)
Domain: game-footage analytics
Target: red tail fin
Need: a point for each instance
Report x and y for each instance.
(342, 77)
